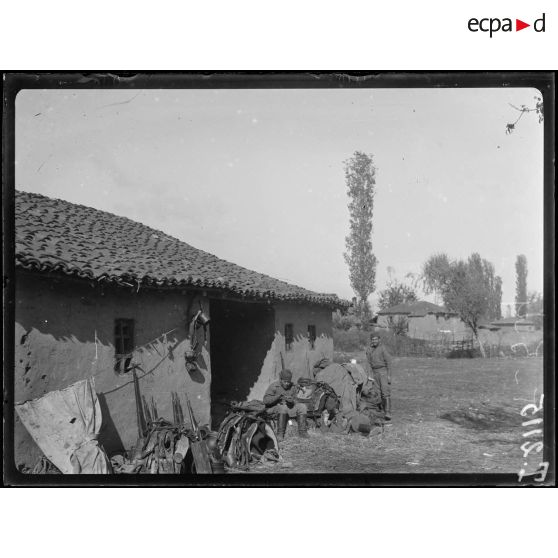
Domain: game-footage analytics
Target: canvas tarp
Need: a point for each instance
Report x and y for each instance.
(65, 425)
(344, 379)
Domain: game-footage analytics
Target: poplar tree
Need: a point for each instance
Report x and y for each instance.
(497, 300)
(360, 181)
(521, 286)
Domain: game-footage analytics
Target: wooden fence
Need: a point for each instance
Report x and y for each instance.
(466, 348)
(347, 342)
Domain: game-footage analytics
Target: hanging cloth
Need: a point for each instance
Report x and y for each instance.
(65, 425)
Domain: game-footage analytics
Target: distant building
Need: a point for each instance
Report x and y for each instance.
(424, 320)
(517, 324)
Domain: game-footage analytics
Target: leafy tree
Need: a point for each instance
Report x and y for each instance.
(521, 286)
(435, 272)
(468, 288)
(396, 293)
(493, 287)
(496, 300)
(534, 302)
(399, 325)
(360, 181)
(344, 321)
(535, 307)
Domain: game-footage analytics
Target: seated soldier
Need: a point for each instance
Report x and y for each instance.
(370, 403)
(280, 399)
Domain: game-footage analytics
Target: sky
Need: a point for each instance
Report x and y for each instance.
(256, 176)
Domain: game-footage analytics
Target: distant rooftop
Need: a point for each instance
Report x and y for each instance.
(416, 309)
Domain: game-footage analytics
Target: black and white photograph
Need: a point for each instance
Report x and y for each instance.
(218, 279)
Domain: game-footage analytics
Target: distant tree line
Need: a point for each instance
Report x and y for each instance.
(468, 287)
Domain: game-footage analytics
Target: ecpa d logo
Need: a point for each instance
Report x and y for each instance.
(492, 25)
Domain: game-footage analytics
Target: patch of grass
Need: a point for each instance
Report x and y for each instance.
(487, 417)
(449, 416)
(467, 353)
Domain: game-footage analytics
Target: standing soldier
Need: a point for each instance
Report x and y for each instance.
(280, 398)
(380, 365)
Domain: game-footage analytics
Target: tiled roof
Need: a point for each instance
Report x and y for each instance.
(416, 309)
(58, 236)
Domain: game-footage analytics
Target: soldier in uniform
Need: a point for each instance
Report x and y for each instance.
(370, 402)
(280, 399)
(380, 366)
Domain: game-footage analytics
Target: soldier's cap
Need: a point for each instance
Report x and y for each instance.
(286, 375)
(374, 336)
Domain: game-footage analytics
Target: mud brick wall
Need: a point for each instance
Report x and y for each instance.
(431, 326)
(300, 357)
(65, 332)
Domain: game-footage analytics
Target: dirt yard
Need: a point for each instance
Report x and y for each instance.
(449, 416)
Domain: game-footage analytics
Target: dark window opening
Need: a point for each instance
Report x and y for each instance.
(123, 345)
(312, 336)
(289, 337)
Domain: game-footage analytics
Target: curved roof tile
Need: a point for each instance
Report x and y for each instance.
(56, 235)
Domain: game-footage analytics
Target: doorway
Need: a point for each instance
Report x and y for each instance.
(241, 335)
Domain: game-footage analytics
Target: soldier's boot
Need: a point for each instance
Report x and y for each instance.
(302, 428)
(282, 420)
(387, 407)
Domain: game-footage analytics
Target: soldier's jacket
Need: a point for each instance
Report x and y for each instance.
(370, 396)
(370, 403)
(378, 357)
(276, 391)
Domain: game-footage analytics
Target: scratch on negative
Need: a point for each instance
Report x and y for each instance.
(120, 102)
(42, 164)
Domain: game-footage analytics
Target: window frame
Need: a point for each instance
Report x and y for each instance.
(312, 335)
(288, 331)
(124, 344)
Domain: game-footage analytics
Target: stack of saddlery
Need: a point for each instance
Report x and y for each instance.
(246, 435)
(320, 399)
(165, 447)
(168, 449)
(173, 448)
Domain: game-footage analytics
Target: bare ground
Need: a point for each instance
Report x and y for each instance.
(449, 416)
